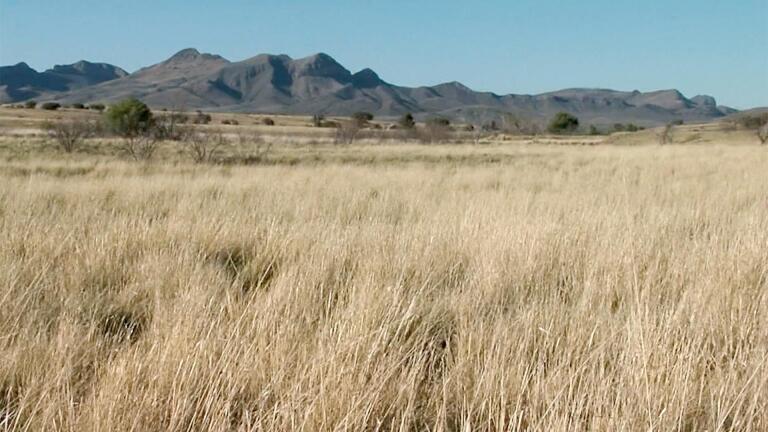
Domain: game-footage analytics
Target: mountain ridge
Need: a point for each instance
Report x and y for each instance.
(318, 84)
(21, 82)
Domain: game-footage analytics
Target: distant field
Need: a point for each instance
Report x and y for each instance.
(293, 139)
(525, 283)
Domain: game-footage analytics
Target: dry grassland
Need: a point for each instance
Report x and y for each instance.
(501, 287)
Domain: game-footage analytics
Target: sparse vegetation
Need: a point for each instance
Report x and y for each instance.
(201, 118)
(170, 126)
(69, 134)
(266, 121)
(516, 125)
(436, 129)
(753, 121)
(347, 132)
(757, 123)
(629, 127)
(30, 104)
(203, 147)
(96, 107)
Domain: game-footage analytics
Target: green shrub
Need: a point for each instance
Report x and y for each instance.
(407, 121)
(129, 118)
(30, 104)
(51, 106)
(362, 118)
(563, 122)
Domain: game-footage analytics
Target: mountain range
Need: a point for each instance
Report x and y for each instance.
(318, 84)
(21, 82)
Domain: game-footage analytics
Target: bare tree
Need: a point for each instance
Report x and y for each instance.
(177, 118)
(665, 135)
(70, 134)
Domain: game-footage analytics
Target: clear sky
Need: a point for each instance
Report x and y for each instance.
(505, 46)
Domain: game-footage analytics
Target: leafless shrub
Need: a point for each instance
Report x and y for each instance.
(665, 135)
(347, 132)
(479, 131)
(252, 149)
(141, 147)
(170, 127)
(436, 130)
(258, 153)
(69, 134)
(203, 146)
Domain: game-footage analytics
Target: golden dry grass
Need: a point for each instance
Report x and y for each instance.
(552, 289)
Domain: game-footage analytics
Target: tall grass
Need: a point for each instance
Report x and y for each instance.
(577, 289)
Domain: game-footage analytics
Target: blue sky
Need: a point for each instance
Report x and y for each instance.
(525, 46)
